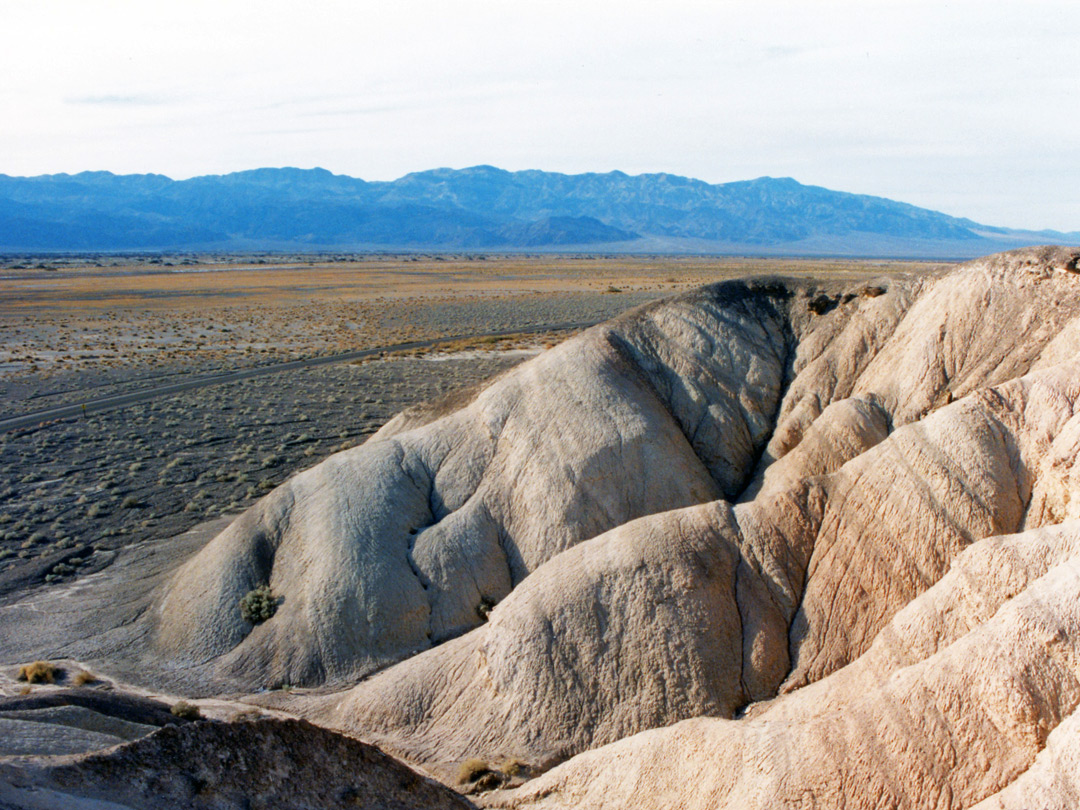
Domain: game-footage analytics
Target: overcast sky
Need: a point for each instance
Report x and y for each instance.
(971, 108)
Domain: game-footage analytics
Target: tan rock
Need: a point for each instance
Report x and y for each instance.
(737, 549)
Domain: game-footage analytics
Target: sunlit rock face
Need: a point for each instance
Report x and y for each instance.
(830, 530)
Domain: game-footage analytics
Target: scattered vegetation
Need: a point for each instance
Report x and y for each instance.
(472, 769)
(822, 304)
(481, 777)
(514, 767)
(185, 710)
(40, 672)
(483, 610)
(83, 678)
(258, 605)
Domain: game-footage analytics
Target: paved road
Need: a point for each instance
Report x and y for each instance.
(120, 400)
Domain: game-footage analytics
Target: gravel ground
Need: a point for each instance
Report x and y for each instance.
(75, 490)
(104, 371)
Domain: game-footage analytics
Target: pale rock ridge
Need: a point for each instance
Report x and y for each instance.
(1053, 780)
(945, 730)
(846, 506)
(632, 629)
(955, 471)
(390, 547)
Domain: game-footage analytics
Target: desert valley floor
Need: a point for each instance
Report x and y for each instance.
(598, 532)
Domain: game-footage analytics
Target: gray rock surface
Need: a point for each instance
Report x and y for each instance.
(265, 763)
(30, 736)
(385, 550)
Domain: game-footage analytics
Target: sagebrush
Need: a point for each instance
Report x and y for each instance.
(258, 605)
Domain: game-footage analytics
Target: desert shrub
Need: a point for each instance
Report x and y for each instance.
(483, 610)
(130, 502)
(82, 678)
(258, 605)
(513, 767)
(246, 716)
(472, 769)
(185, 710)
(40, 672)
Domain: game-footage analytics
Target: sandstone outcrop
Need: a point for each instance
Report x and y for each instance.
(719, 606)
(772, 543)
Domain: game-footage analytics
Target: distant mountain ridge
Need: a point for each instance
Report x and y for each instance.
(477, 208)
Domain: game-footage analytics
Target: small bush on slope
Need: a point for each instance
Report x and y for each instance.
(258, 605)
(39, 672)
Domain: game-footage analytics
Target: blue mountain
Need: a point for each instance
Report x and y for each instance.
(478, 208)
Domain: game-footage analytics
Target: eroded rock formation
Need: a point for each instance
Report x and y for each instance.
(771, 543)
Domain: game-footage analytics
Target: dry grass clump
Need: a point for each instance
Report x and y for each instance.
(472, 769)
(185, 710)
(40, 672)
(514, 767)
(83, 677)
(480, 777)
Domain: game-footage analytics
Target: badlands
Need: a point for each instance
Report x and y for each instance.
(768, 543)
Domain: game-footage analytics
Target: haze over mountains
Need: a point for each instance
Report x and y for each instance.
(479, 208)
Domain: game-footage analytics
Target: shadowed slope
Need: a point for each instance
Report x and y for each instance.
(263, 763)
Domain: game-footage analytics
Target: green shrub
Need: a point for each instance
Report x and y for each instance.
(258, 605)
(185, 710)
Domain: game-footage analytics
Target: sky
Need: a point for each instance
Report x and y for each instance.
(971, 108)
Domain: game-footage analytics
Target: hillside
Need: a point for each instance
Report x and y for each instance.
(769, 543)
(480, 208)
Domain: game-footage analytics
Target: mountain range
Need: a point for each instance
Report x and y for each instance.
(478, 208)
